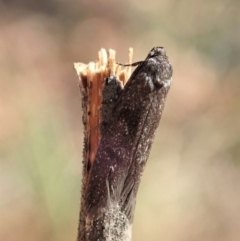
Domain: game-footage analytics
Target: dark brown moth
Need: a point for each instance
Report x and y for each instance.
(130, 117)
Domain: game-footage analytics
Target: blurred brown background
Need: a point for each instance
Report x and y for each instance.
(190, 189)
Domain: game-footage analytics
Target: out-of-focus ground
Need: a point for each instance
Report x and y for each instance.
(190, 189)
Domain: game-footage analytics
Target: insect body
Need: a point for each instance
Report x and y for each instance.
(126, 139)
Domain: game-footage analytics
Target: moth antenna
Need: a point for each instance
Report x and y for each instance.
(133, 64)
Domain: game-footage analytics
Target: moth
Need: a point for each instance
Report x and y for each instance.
(130, 117)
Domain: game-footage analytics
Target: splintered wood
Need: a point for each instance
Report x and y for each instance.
(91, 82)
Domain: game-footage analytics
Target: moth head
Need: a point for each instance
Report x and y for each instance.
(157, 51)
(162, 69)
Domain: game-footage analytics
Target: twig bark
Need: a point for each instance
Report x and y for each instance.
(113, 161)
